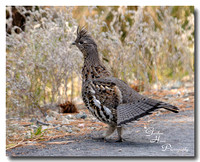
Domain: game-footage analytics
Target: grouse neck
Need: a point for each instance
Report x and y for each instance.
(92, 60)
(93, 68)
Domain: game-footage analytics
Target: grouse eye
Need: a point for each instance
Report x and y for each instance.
(81, 42)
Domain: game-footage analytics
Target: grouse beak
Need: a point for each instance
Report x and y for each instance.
(73, 43)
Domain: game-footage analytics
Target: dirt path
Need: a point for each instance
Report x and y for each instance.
(167, 134)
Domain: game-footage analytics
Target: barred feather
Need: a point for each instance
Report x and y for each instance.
(135, 110)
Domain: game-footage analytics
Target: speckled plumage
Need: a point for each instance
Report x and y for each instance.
(110, 99)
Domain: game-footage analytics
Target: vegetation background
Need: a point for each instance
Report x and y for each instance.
(144, 46)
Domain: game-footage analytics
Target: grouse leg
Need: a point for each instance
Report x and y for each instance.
(119, 132)
(110, 130)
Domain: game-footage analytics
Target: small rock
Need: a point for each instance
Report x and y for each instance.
(78, 116)
(168, 96)
(93, 119)
(30, 142)
(53, 113)
(49, 118)
(69, 116)
(75, 129)
(41, 123)
(120, 150)
(81, 125)
(65, 129)
(188, 84)
(44, 127)
(185, 95)
(178, 94)
(54, 125)
(165, 88)
(93, 128)
(20, 128)
(186, 100)
(60, 117)
(58, 128)
(188, 106)
(33, 126)
(190, 93)
(15, 118)
(69, 130)
(81, 116)
(176, 85)
(65, 121)
(33, 120)
(28, 135)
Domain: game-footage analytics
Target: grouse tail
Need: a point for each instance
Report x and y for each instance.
(133, 111)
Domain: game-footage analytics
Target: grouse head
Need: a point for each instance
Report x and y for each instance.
(84, 42)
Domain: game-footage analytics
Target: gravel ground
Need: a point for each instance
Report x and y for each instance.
(166, 135)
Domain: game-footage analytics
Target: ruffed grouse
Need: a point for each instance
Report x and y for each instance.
(110, 99)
